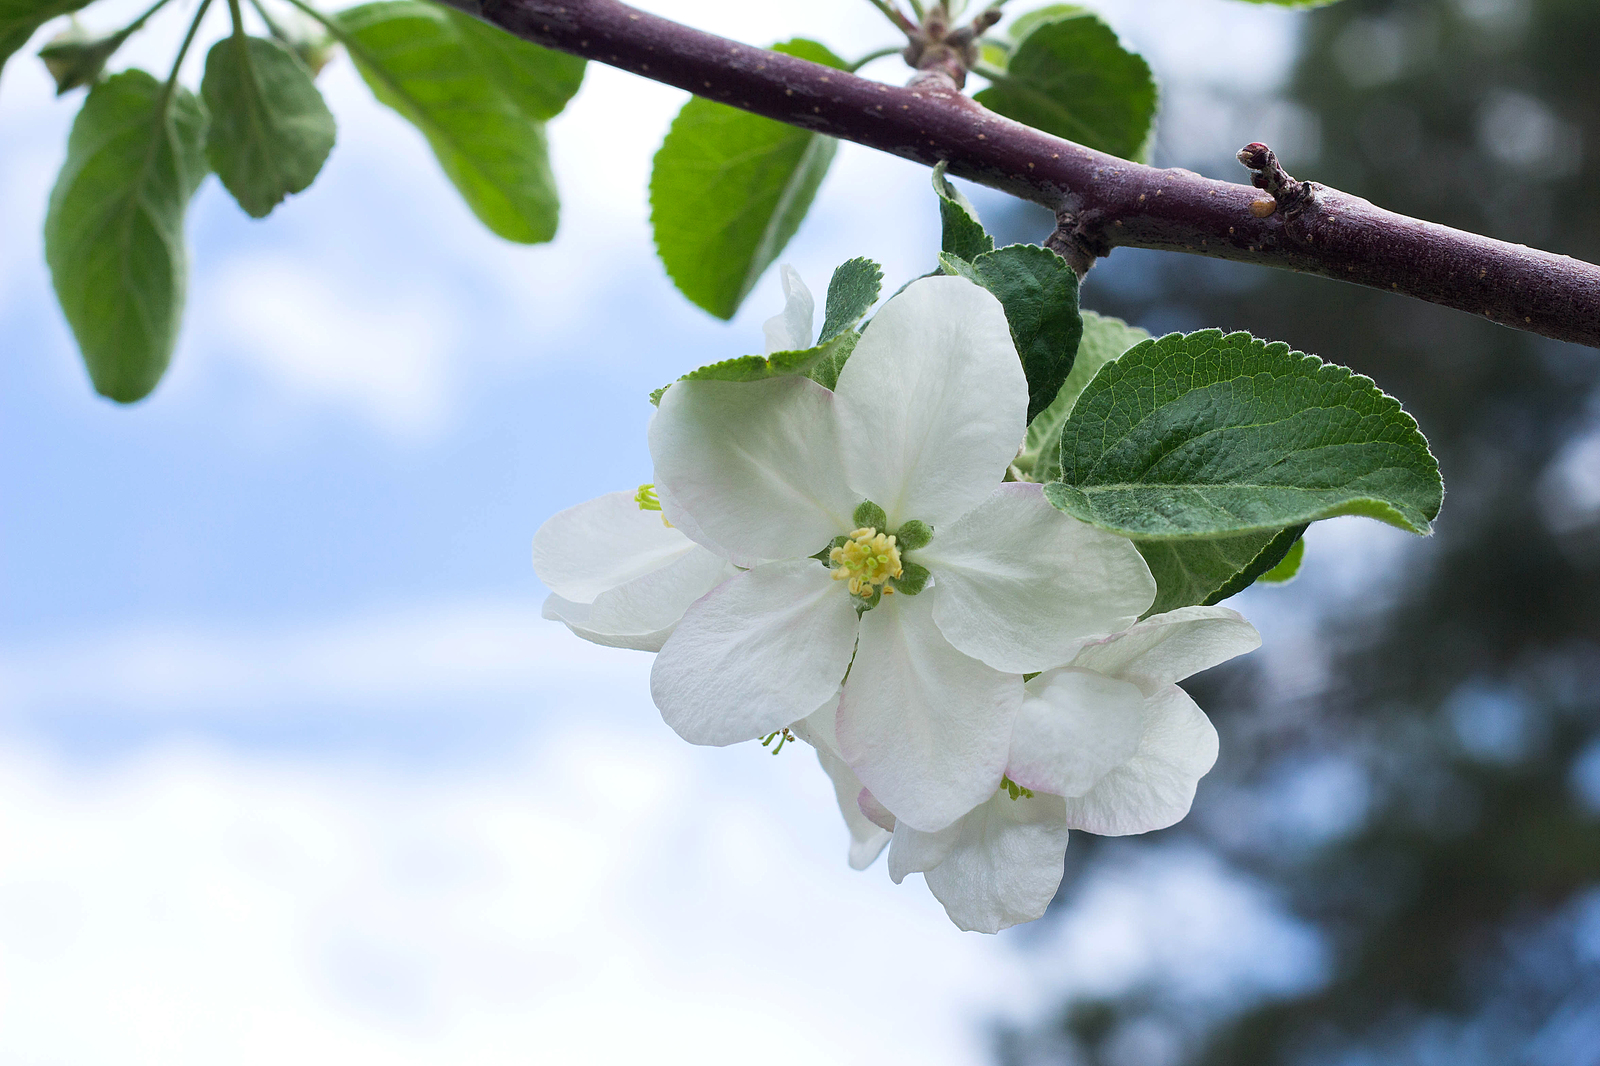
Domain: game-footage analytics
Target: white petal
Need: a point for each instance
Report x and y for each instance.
(1021, 586)
(1075, 727)
(1006, 866)
(756, 653)
(790, 331)
(913, 851)
(933, 402)
(820, 728)
(576, 618)
(684, 522)
(755, 465)
(1166, 648)
(876, 812)
(1153, 789)
(867, 841)
(658, 599)
(596, 546)
(924, 727)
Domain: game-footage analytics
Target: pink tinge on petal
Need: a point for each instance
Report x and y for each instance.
(875, 812)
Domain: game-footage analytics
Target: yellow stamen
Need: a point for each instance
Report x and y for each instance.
(867, 559)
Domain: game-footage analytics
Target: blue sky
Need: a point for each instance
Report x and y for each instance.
(290, 768)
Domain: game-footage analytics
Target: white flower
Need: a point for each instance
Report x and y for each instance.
(927, 416)
(1108, 743)
(618, 574)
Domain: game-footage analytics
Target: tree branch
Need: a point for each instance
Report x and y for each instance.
(1100, 202)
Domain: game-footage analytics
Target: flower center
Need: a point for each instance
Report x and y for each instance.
(866, 560)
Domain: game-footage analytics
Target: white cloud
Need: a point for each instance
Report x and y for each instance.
(608, 894)
(329, 338)
(393, 659)
(596, 892)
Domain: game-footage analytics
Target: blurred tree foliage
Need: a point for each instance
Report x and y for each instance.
(1461, 906)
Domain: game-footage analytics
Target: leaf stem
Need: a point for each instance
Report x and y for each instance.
(892, 50)
(272, 24)
(138, 23)
(328, 24)
(177, 64)
(892, 13)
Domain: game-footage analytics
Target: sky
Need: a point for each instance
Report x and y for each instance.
(290, 767)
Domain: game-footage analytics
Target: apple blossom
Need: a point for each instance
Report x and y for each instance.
(619, 573)
(1107, 743)
(883, 559)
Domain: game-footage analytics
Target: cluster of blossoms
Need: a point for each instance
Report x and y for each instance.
(851, 566)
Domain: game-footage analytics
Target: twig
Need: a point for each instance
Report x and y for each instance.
(1100, 202)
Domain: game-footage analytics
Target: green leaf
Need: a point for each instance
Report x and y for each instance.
(1070, 76)
(775, 365)
(20, 18)
(1039, 292)
(416, 61)
(1287, 567)
(728, 189)
(1211, 435)
(1209, 570)
(270, 131)
(963, 236)
(852, 291)
(537, 80)
(75, 57)
(113, 234)
(1104, 338)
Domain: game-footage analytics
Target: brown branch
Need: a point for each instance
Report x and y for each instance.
(1101, 202)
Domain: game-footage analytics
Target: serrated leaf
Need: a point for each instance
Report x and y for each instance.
(1104, 338)
(20, 18)
(962, 234)
(1209, 435)
(776, 364)
(852, 291)
(1039, 292)
(728, 189)
(1209, 570)
(1071, 77)
(270, 130)
(538, 81)
(1285, 569)
(825, 371)
(415, 60)
(113, 233)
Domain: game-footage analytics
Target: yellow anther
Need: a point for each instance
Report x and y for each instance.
(867, 559)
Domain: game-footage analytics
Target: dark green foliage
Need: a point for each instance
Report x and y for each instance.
(270, 131)
(1211, 434)
(114, 233)
(1071, 77)
(728, 189)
